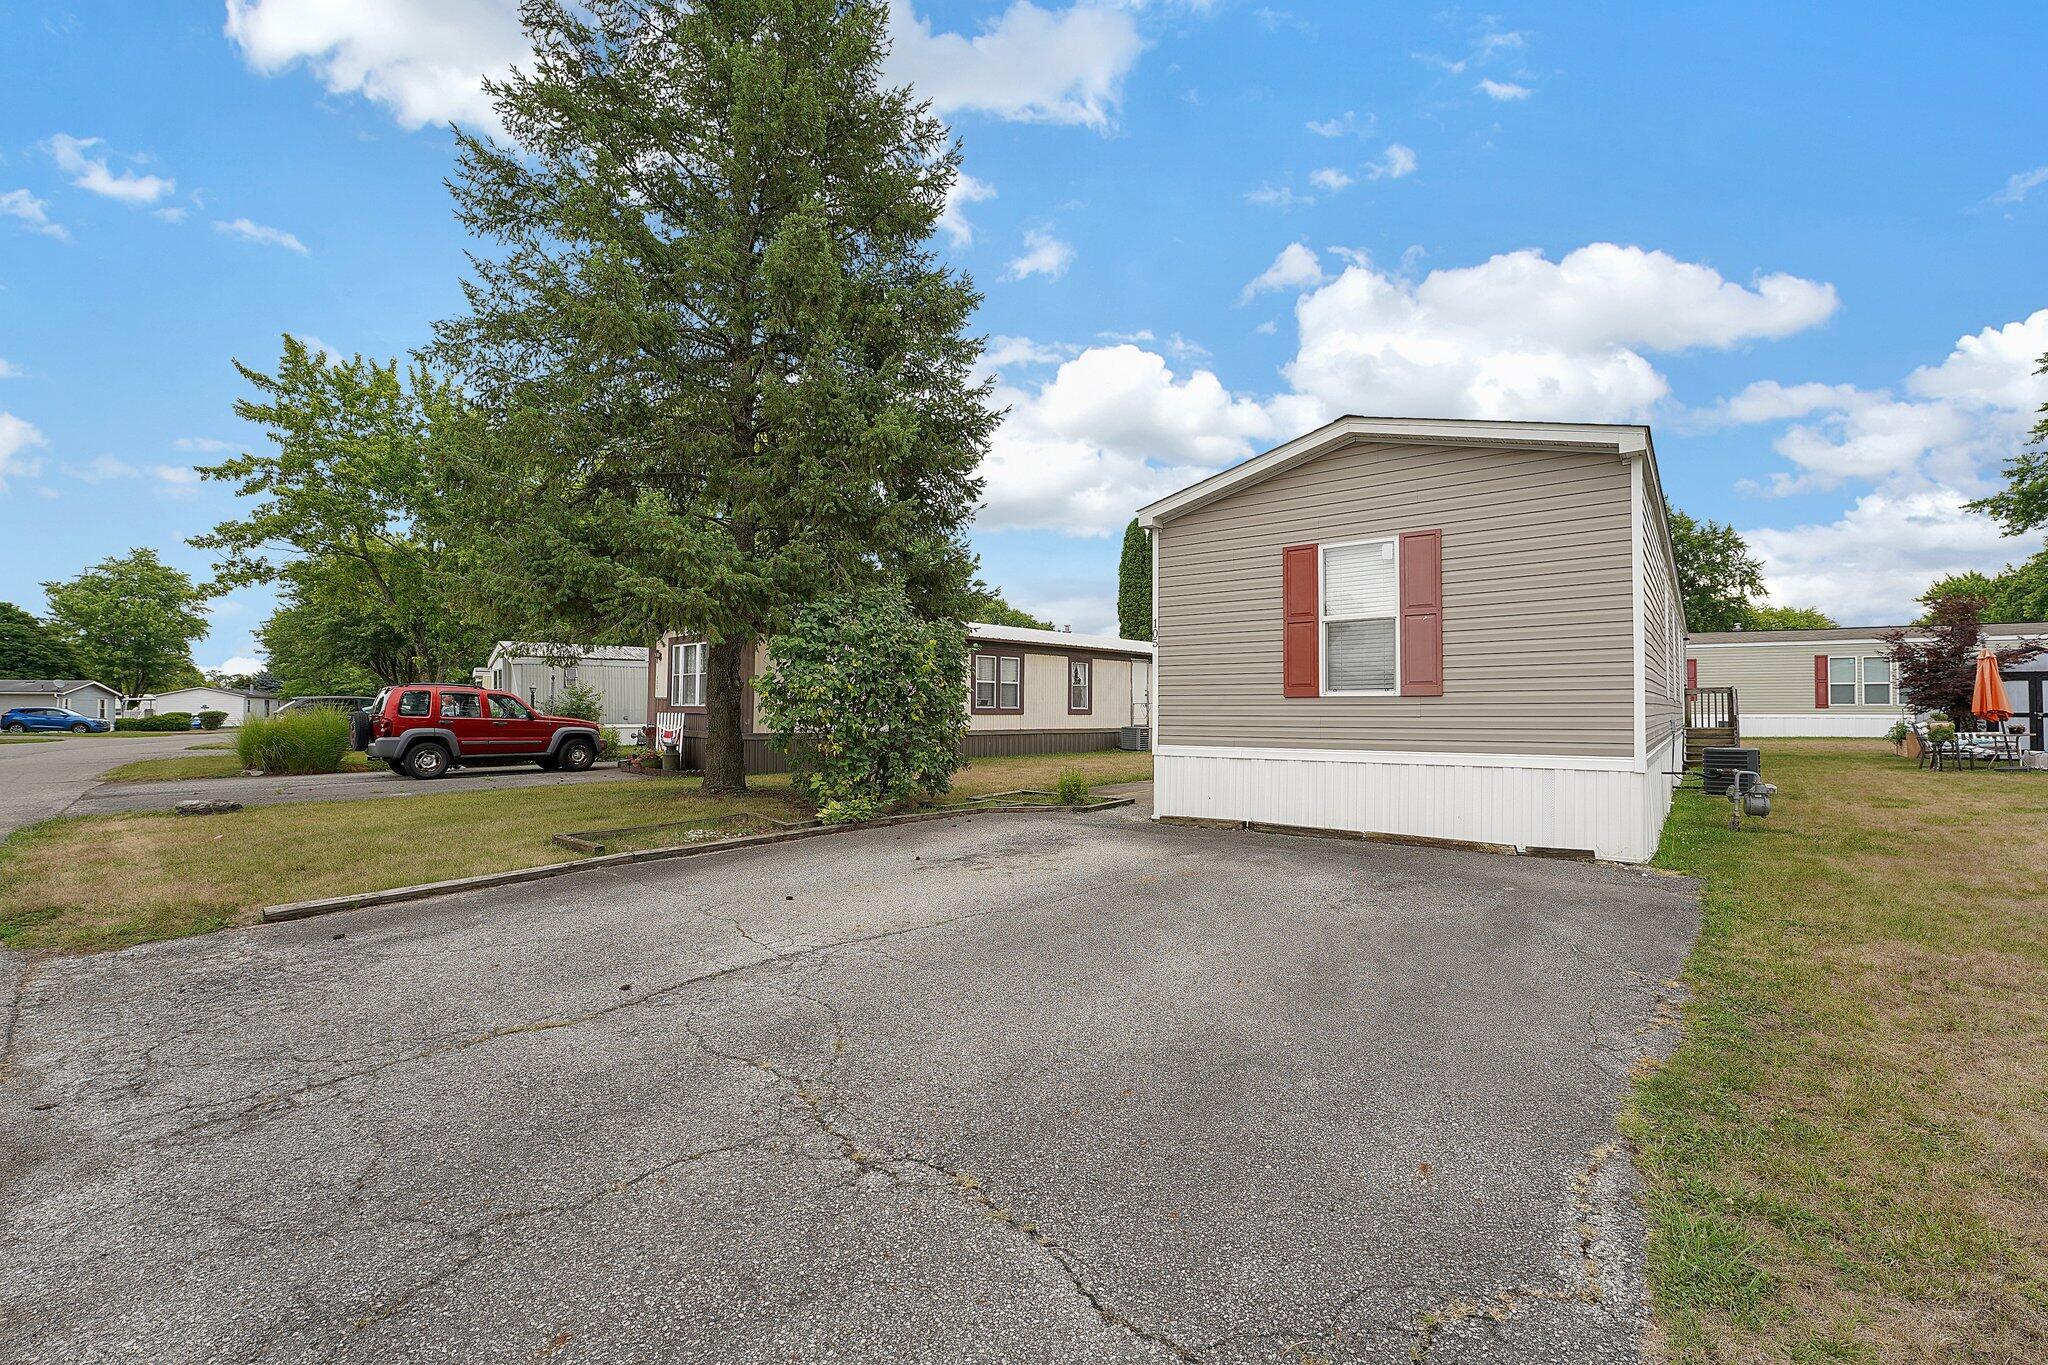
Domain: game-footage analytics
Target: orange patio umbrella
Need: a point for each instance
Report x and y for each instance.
(1987, 698)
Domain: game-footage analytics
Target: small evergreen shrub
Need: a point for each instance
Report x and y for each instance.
(1072, 788)
(212, 720)
(584, 702)
(297, 742)
(869, 701)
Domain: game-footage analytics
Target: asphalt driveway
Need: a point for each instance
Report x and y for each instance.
(1036, 1088)
(280, 790)
(38, 781)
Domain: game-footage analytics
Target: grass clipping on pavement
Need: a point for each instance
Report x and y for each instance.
(108, 881)
(1847, 1156)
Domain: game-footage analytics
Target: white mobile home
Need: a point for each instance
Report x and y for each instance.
(238, 704)
(539, 671)
(1453, 630)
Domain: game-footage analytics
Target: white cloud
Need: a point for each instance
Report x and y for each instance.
(1029, 64)
(1348, 124)
(203, 445)
(170, 215)
(953, 218)
(424, 63)
(1504, 90)
(1112, 429)
(1395, 163)
(1329, 178)
(2018, 184)
(241, 665)
(9, 370)
(1044, 254)
(34, 213)
(16, 438)
(1085, 614)
(1277, 197)
(1521, 336)
(1868, 566)
(177, 475)
(261, 235)
(1016, 352)
(90, 173)
(1296, 267)
(102, 469)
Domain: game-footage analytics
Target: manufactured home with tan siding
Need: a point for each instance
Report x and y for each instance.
(1819, 682)
(1029, 692)
(1459, 630)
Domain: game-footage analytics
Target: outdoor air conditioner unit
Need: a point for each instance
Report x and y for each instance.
(1134, 737)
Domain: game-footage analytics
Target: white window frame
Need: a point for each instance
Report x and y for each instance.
(1855, 683)
(1323, 618)
(1864, 684)
(677, 672)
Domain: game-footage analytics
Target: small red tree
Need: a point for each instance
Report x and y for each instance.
(1935, 665)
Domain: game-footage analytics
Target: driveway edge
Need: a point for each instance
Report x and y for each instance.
(363, 900)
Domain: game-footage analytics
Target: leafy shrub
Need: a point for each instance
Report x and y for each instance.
(1072, 787)
(850, 811)
(296, 742)
(163, 720)
(869, 700)
(212, 720)
(584, 702)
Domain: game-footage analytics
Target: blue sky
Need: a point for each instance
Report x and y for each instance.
(1809, 253)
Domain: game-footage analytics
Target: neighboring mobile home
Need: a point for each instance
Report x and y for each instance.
(1819, 682)
(1029, 692)
(1454, 630)
(83, 695)
(238, 704)
(538, 671)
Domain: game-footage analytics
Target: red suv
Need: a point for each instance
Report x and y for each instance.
(424, 729)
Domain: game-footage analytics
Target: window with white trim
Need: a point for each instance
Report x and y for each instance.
(1877, 681)
(686, 674)
(1842, 681)
(1080, 686)
(1360, 617)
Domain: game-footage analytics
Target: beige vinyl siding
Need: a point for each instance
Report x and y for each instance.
(1775, 678)
(1045, 693)
(1663, 636)
(1539, 603)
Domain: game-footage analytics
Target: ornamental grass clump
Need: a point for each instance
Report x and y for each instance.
(869, 701)
(296, 742)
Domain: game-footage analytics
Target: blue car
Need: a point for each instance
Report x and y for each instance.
(23, 719)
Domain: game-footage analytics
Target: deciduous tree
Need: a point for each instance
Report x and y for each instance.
(1717, 575)
(132, 619)
(29, 648)
(724, 373)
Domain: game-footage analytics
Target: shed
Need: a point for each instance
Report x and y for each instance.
(538, 671)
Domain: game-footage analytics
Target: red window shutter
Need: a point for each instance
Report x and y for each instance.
(1300, 664)
(1820, 681)
(1422, 614)
(1692, 674)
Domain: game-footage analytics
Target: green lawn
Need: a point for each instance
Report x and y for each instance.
(1847, 1155)
(106, 881)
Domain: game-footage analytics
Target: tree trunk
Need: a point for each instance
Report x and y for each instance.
(725, 745)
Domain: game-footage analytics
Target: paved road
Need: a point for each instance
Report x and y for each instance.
(270, 791)
(38, 781)
(1003, 1089)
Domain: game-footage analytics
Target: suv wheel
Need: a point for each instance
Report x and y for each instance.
(79, 728)
(425, 760)
(16, 728)
(576, 754)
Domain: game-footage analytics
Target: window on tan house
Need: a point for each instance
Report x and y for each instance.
(1877, 681)
(686, 674)
(1360, 608)
(999, 683)
(1841, 681)
(1080, 686)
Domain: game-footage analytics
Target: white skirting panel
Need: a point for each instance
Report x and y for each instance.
(1616, 812)
(1819, 724)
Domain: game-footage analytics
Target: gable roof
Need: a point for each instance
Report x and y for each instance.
(547, 652)
(215, 687)
(54, 687)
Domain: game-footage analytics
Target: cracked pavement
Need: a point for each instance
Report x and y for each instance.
(1039, 1088)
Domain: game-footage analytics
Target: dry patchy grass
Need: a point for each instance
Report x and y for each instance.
(107, 881)
(1847, 1157)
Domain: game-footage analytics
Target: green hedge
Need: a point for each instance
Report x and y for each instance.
(211, 720)
(164, 720)
(298, 742)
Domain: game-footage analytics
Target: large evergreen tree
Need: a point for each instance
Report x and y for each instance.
(722, 371)
(31, 649)
(132, 619)
(1134, 584)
